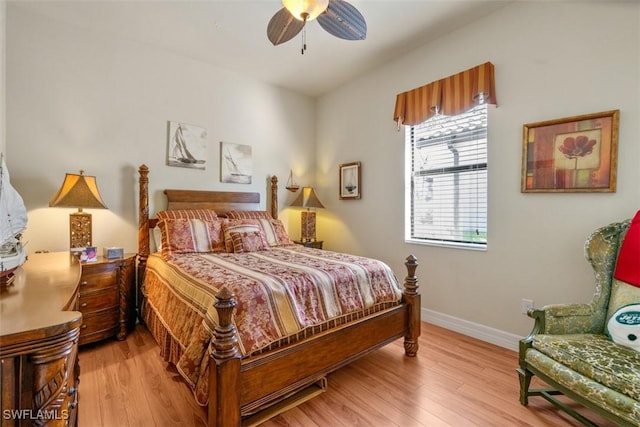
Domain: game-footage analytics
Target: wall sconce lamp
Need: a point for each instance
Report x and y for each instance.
(291, 184)
(78, 191)
(307, 199)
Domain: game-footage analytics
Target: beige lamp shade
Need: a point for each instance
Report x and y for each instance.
(79, 191)
(305, 10)
(307, 199)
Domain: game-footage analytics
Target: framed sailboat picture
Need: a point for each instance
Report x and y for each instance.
(187, 146)
(350, 181)
(235, 163)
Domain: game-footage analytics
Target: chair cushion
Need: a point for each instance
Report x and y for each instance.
(596, 357)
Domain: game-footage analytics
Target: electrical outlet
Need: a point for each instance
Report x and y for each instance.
(527, 304)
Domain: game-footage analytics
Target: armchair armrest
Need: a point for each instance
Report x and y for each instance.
(561, 319)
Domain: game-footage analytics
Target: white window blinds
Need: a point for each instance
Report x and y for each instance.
(447, 179)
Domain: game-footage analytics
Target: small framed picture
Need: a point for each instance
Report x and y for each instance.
(89, 254)
(350, 181)
(573, 154)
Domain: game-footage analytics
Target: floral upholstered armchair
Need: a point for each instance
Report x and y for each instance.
(570, 347)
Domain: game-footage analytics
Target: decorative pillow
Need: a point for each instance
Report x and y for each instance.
(156, 234)
(204, 214)
(191, 235)
(627, 268)
(624, 326)
(622, 294)
(248, 215)
(274, 232)
(238, 226)
(248, 241)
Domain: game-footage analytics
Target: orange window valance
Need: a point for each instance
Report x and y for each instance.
(450, 96)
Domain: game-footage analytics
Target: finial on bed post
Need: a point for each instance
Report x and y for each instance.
(225, 345)
(143, 226)
(274, 197)
(224, 371)
(412, 298)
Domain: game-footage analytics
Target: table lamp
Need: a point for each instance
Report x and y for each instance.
(78, 191)
(307, 199)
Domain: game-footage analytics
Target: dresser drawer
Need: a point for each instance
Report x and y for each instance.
(89, 302)
(98, 276)
(97, 326)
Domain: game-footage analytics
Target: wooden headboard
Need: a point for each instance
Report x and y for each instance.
(219, 201)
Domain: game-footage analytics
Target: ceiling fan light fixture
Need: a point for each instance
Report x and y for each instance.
(305, 10)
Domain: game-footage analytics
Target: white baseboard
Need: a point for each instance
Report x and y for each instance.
(475, 330)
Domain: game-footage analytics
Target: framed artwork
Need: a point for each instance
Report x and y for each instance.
(575, 154)
(186, 146)
(350, 181)
(235, 163)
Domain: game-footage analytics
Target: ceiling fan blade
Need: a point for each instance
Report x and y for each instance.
(343, 20)
(283, 27)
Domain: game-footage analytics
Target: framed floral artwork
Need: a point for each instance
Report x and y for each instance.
(574, 154)
(350, 181)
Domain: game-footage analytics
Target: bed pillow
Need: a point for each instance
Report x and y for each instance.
(274, 232)
(191, 235)
(238, 226)
(248, 241)
(156, 237)
(248, 215)
(205, 214)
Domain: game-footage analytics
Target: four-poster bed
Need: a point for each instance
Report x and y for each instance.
(242, 385)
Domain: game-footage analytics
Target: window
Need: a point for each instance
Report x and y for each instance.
(446, 191)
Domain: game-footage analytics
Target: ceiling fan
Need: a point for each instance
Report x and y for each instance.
(337, 17)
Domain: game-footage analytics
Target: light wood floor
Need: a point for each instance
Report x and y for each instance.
(455, 381)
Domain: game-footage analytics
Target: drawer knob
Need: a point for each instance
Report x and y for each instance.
(84, 326)
(83, 283)
(83, 305)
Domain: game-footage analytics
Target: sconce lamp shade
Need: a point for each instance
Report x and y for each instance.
(78, 191)
(305, 10)
(307, 199)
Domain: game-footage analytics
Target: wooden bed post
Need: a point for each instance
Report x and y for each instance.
(224, 366)
(274, 197)
(412, 298)
(143, 229)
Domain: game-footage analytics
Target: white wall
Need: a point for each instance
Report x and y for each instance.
(82, 100)
(552, 60)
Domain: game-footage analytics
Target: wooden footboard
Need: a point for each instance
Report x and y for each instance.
(239, 388)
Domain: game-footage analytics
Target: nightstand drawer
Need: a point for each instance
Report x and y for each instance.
(107, 298)
(98, 276)
(97, 326)
(96, 301)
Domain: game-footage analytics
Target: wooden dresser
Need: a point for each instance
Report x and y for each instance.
(39, 335)
(107, 298)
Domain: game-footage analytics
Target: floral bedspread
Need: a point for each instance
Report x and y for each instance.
(283, 292)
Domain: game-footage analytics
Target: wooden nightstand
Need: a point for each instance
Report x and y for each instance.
(314, 244)
(107, 298)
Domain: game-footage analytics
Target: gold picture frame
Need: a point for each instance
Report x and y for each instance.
(350, 181)
(571, 155)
